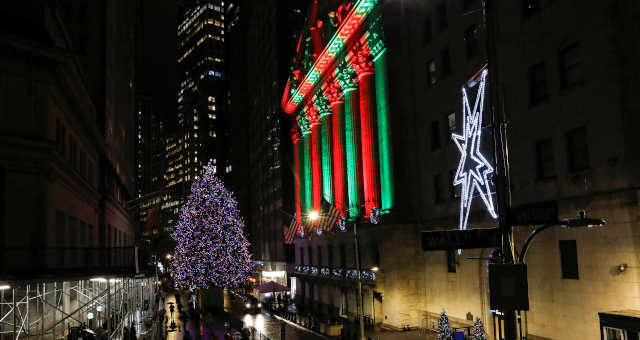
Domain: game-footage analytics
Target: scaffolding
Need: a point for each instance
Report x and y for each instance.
(48, 309)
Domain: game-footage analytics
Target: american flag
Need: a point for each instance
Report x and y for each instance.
(328, 217)
(290, 231)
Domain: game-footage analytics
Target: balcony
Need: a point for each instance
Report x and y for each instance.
(339, 274)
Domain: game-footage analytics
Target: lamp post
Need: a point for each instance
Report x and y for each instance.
(581, 222)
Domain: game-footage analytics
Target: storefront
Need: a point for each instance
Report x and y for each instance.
(620, 325)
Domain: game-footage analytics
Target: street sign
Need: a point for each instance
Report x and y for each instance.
(460, 239)
(534, 213)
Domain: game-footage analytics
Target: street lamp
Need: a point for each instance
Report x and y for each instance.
(313, 215)
(168, 256)
(580, 222)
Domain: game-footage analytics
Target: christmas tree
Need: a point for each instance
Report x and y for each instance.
(444, 329)
(211, 249)
(478, 330)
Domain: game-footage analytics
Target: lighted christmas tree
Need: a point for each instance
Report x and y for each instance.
(211, 249)
(444, 328)
(478, 330)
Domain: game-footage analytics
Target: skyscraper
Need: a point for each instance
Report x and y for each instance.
(202, 126)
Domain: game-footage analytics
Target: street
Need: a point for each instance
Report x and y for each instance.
(266, 324)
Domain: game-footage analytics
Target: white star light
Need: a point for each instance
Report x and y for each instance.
(474, 176)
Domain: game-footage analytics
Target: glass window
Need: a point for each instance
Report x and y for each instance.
(437, 189)
(471, 41)
(432, 78)
(451, 123)
(570, 66)
(428, 30)
(537, 83)
(451, 261)
(445, 61)
(577, 149)
(441, 10)
(435, 135)
(544, 159)
(569, 259)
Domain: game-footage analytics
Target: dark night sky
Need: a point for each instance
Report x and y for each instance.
(157, 65)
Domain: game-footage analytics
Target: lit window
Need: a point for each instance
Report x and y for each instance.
(212, 99)
(195, 127)
(212, 107)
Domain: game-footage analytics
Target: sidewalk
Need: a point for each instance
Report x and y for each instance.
(386, 334)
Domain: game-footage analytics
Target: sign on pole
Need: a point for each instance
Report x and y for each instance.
(460, 239)
(534, 213)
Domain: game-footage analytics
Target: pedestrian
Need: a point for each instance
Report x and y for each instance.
(132, 333)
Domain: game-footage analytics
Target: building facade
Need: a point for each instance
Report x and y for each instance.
(67, 157)
(376, 103)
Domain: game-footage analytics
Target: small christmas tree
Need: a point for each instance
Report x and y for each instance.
(444, 328)
(478, 330)
(211, 249)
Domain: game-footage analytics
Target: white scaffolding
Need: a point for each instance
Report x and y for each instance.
(47, 310)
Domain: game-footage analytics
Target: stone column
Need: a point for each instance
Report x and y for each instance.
(352, 139)
(334, 95)
(363, 65)
(316, 166)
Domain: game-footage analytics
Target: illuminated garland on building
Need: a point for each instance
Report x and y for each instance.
(211, 249)
(474, 170)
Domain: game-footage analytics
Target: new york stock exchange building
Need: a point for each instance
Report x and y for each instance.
(382, 112)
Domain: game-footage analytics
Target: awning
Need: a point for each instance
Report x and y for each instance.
(272, 287)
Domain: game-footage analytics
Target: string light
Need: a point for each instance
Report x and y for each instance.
(211, 246)
(475, 176)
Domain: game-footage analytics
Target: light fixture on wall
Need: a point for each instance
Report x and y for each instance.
(622, 268)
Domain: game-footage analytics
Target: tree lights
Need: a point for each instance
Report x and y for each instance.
(474, 170)
(211, 249)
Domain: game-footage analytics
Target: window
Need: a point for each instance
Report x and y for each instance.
(544, 159)
(471, 41)
(343, 256)
(442, 16)
(445, 61)
(570, 67)
(577, 149)
(537, 83)
(212, 99)
(428, 30)
(319, 261)
(452, 188)
(451, 124)
(435, 135)
(451, 260)
(309, 256)
(530, 7)
(432, 78)
(466, 4)
(437, 189)
(569, 259)
(330, 257)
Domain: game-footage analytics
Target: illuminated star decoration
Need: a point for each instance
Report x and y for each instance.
(473, 171)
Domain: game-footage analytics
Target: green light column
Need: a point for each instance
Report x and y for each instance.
(384, 131)
(352, 138)
(327, 179)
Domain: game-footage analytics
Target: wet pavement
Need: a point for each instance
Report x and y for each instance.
(267, 325)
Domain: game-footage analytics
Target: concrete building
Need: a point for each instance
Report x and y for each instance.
(376, 91)
(67, 101)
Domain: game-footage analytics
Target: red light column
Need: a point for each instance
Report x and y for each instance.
(333, 93)
(363, 65)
